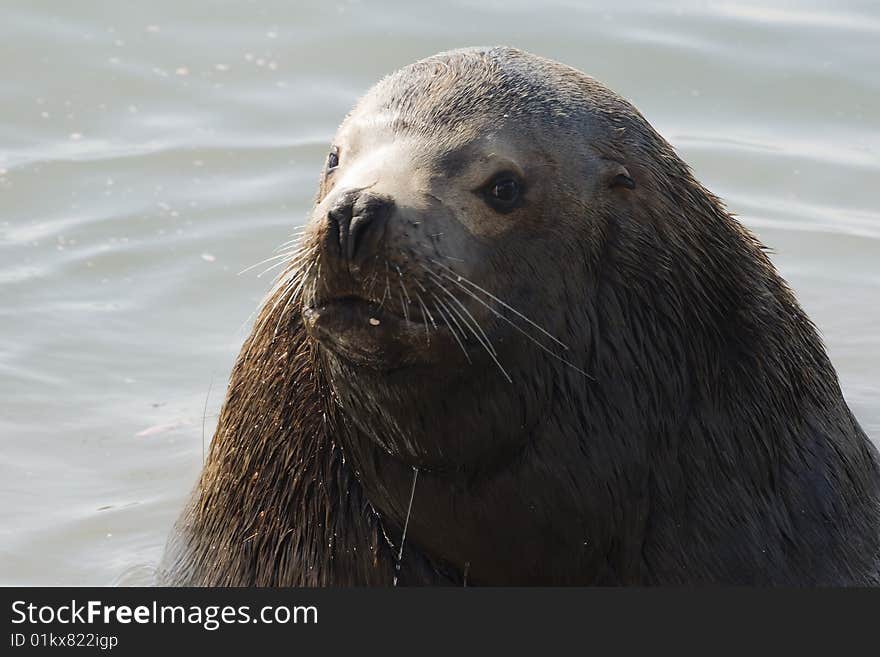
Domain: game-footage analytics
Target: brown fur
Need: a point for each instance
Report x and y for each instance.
(709, 443)
(268, 510)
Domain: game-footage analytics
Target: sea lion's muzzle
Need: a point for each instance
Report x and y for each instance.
(363, 299)
(356, 226)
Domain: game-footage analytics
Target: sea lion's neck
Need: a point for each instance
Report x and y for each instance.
(500, 526)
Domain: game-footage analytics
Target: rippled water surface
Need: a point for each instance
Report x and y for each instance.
(151, 151)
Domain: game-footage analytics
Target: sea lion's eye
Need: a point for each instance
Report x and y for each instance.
(503, 192)
(333, 160)
(506, 190)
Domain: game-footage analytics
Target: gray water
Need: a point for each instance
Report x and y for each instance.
(150, 151)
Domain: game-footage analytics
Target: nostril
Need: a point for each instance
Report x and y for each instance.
(338, 225)
(356, 230)
(355, 223)
(371, 212)
(338, 217)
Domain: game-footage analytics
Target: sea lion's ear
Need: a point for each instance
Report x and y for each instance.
(620, 178)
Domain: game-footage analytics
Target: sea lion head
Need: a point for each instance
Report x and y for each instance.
(511, 283)
(445, 263)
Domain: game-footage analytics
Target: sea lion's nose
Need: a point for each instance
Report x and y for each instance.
(357, 222)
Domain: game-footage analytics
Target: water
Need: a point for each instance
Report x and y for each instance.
(150, 151)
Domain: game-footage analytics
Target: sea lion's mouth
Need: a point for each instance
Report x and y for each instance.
(370, 334)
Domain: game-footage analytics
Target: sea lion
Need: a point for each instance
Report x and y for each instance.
(519, 343)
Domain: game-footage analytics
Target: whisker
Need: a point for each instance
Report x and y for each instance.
(452, 316)
(451, 330)
(527, 335)
(290, 297)
(282, 281)
(485, 344)
(275, 266)
(281, 288)
(371, 283)
(431, 318)
(277, 256)
(297, 233)
(295, 281)
(387, 293)
(404, 307)
(464, 308)
(497, 300)
(295, 241)
(424, 314)
(449, 257)
(403, 287)
(412, 494)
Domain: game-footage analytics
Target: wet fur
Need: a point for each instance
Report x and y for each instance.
(710, 443)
